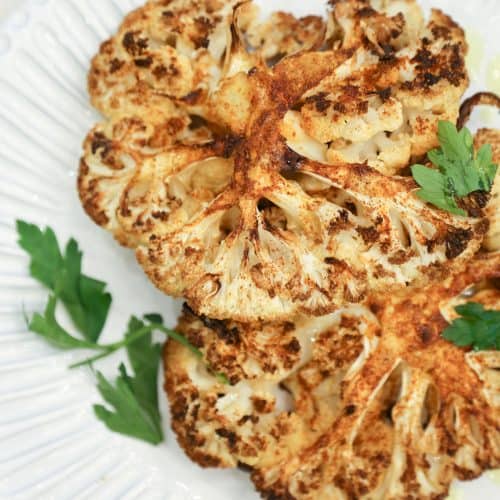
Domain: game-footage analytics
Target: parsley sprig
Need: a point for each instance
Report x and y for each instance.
(459, 170)
(85, 298)
(477, 327)
(133, 399)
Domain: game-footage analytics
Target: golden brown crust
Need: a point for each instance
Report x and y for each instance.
(382, 407)
(251, 421)
(421, 411)
(227, 212)
(382, 106)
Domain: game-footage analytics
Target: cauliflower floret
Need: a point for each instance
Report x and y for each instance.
(419, 412)
(285, 403)
(382, 106)
(283, 34)
(222, 211)
(492, 137)
(174, 49)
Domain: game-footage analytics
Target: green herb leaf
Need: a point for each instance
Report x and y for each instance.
(477, 327)
(459, 172)
(85, 298)
(127, 416)
(47, 326)
(46, 258)
(144, 356)
(154, 318)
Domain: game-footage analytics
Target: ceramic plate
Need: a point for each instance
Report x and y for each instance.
(51, 445)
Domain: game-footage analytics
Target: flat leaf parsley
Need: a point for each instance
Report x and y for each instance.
(477, 327)
(85, 299)
(459, 170)
(132, 400)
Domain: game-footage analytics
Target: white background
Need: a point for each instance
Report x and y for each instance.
(6, 6)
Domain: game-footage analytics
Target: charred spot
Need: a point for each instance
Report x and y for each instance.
(261, 405)
(482, 227)
(431, 244)
(339, 107)
(351, 90)
(351, 297)
(369, 234)
(292, 161)
(145, 62)
(351, 207)
(429, 79)
(101, 142)
(245, 468)
(190, 251)
(341, 222)
(388, 52)
(456, 61)
(116, 65)
(454, 77)
(133, 44)
(376, 308)
(441, 32)
(264, 204)
(197, 122)
(384, 94)
(425, 59)
(350, 409)
(193, 97)
(474, 203)
(160, 71)
(293, 346)
(344, 214)
(230, 336)
(366, 12)
(229, 145)
(362, 107)
(425, 332)
(456, 242)
(168, 14)
(319, 100)
(248, 418)
(332, 261)
(231, 436)
(400, 257)
(204, 27)
(160, 215)
(179, 408)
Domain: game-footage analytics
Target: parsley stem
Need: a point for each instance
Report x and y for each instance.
(180, 339)
(89, 361)
(111, 348)
(131, 338)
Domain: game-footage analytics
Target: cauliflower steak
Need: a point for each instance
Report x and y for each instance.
(382, 407)
(217, 171)
(290, 395)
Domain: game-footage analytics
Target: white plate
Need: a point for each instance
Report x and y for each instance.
(51, 445)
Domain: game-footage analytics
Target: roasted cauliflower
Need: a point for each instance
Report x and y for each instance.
(225, 205)
(382, 407)
(290, 395)
(492, 138)
(492, 241)
(382, 106)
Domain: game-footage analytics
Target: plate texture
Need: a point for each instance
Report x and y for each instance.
(51, 446)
